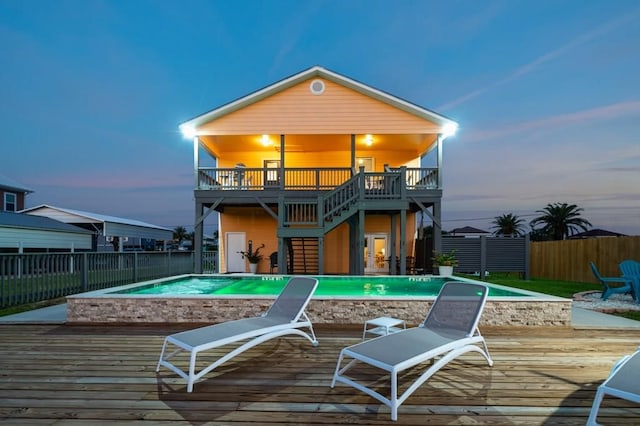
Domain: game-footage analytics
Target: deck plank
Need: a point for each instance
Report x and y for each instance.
(70, 375)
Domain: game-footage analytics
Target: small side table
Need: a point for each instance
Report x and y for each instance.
(383, 326)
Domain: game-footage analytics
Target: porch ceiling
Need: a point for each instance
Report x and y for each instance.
(414, 144)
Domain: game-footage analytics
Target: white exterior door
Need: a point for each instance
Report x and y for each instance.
(235, 242)
(375, 254)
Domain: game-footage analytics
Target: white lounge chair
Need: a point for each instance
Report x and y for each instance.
(623, 382)
(285, 316)
(449, 330)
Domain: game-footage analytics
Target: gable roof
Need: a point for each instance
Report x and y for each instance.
(316, 71)
(108, 225)
(12, 185)
(26, 221)
(468, 230)
(596, 233)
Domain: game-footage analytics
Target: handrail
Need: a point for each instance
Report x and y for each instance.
(377, 184)
(341, 198)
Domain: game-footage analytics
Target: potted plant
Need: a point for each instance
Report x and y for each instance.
(253, 256)
(445, 262)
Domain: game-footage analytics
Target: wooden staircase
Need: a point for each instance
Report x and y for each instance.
(303, 222)
(303, 255)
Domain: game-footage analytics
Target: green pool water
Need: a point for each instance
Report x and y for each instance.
(345, 286)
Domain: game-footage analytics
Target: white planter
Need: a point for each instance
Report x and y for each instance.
(253, 267)
(445, 271)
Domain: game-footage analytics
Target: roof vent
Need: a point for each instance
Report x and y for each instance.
(317, 87)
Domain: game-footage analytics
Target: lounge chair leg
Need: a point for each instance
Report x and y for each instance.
(394, 396)
(164, 347)
(593, 414)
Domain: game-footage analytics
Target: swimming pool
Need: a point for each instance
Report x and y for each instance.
(216, 298)
(332, 286)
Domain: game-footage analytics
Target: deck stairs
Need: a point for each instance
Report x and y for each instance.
(302, 222)
(303, 255)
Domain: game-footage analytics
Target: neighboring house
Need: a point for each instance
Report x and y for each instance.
(595, 233)
(469, 232)
(23, 233)
(109, 232)
(12, 195)
(322, 169)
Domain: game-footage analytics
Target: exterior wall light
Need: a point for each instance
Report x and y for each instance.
(448, 130)
(368, 140)
(265, 140)
(189, 132)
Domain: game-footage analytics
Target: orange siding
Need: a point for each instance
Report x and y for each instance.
(337, 110)
(381, 224)
(336, 251)
(262, 228)
(258, 226)
(314, 160)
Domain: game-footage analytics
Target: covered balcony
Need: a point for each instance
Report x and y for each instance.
(387, 184)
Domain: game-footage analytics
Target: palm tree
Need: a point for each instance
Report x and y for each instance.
(508, 225)
(179, 233)
(560, 220)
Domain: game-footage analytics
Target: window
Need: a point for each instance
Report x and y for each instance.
(367, 162)
(9, 202)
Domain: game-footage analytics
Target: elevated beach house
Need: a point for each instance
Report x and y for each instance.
(324, 174)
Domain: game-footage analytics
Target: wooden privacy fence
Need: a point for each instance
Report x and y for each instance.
(568, 260)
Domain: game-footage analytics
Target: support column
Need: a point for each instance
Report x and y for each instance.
(403, 242)
(196, 161)
(437, 227)
(282, 257)
(321, 256)
(282, 167)
(197, 229)
(198, 237)
(360, 243)
(439, 161)
(353, 152)
(392, 245)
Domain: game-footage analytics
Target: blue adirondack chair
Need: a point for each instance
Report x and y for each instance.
(608, 289)
(631, 270)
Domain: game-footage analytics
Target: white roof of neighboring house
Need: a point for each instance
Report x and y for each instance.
(317, 71)
(19, 220)
(12, 185)
(106, 225)
(18, 230)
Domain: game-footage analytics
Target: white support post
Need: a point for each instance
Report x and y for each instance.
(196, 161)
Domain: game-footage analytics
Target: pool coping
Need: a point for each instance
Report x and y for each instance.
(104, 306)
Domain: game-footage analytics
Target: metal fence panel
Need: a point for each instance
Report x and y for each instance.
(489, 254)
(36, 277)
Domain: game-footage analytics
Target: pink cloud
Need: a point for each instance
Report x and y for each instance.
(601, 113)
(121, 181)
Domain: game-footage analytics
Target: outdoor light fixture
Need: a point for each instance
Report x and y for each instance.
(265, 140)
(368, 140)
(449, 129)
(188, 131)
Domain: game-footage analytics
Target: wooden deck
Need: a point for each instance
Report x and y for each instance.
(78, 375)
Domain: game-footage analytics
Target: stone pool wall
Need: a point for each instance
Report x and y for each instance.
(105, 309)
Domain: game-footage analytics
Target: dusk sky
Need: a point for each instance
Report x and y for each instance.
(546, 93)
